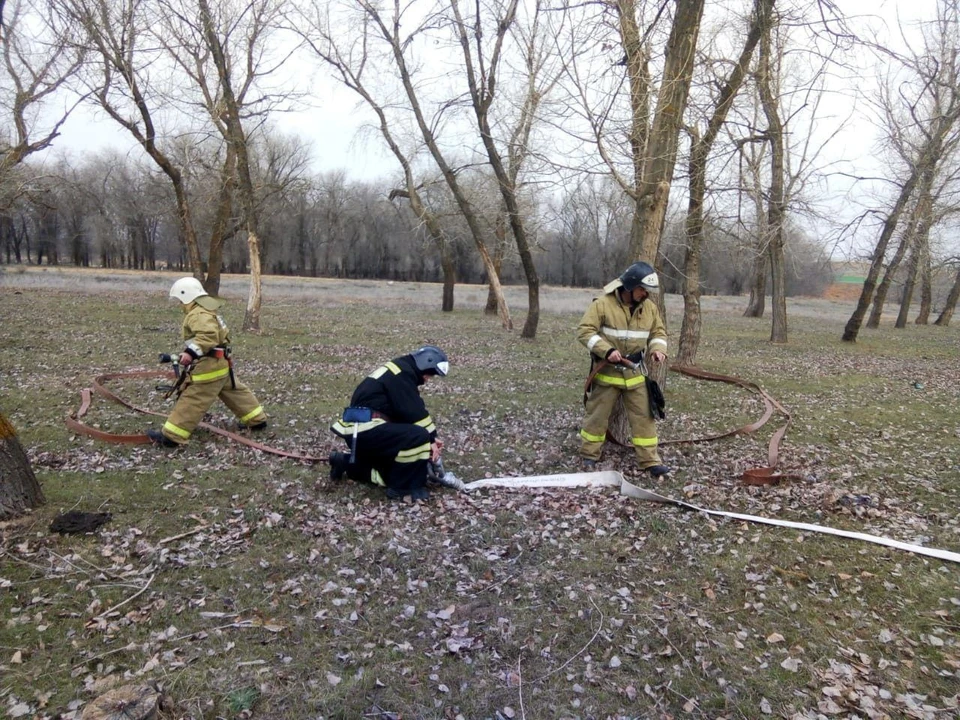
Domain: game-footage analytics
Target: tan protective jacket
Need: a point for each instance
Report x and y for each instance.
(203, 329)
(609, 325)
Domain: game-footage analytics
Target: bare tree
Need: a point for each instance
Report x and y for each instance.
(398, 44)
(38, 66)
(491, 23)
(701, 145)
(118, 34)
(236, 43)
(925, 210)
(777, 200)
(351, 66)
(930, 99)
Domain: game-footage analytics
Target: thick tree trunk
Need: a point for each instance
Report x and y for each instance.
(926, 290)
(907, 298)
(661, 155)
(946, 315)
(221, 231)
(776, 207)
(449, 279)
(697, 170)
(500, 249)
(758, 283)
(19, 489)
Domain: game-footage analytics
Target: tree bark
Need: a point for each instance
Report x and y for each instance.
(661, 155)
(917, 225)
(499, 251)
(237, 139)
(776, 205)
(950, 305)
(19, 489)
(926, 286)
(758, 279)
(852, 328)
(700, 150)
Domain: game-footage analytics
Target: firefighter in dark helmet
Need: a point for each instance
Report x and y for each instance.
(621, 324)
(206, 357)
(388, 428)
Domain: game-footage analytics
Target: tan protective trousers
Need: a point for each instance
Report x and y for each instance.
(599, 407)
(197, 398)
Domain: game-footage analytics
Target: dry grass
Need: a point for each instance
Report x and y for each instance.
(251, 586)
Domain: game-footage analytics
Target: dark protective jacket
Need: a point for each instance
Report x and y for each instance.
(392, 390)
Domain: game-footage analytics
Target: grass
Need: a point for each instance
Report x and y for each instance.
(252, 586)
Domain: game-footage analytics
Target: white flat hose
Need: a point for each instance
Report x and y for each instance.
(612, 478)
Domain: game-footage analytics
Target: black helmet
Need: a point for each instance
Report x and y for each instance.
(431, 360)
(640, 274)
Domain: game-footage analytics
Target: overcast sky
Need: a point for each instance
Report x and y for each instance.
(332, 126)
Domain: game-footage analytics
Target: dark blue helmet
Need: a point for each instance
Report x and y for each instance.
(431, 360)
(640, 274)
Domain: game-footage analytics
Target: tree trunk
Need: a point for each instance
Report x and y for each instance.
(758, 281)
(908, 287)
(661, 155)
(852, 328)
(776, 205)
(951, 303)
(500, 249)
(926, 291)
(917, 226)
(235, 136)
(19, 489)
(697, 170)
(221, 230)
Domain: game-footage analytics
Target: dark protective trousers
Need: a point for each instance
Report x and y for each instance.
(391, 454)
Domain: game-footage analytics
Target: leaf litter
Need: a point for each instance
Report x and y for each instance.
(253, 585)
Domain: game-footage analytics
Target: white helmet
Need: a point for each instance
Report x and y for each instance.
(186, 290)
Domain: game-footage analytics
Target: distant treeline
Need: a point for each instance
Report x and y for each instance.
(111, 212)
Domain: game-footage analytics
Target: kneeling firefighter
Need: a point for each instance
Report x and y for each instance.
(207, 368)
(620, 328)
(391, 435)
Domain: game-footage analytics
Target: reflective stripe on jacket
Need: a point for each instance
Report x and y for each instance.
(608, 324)
(202, 331)
(392, 390)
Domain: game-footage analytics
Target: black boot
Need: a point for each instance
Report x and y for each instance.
(158, 438)
(338, 465)
(420, 493)
(657, 471)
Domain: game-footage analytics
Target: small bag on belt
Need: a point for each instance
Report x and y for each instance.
(356, 415)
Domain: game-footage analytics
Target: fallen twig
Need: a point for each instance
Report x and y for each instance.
(183, 535)
(137, 594)
(580, 652)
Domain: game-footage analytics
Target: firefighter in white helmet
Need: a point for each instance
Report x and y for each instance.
(621, 324)
(206, 355)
